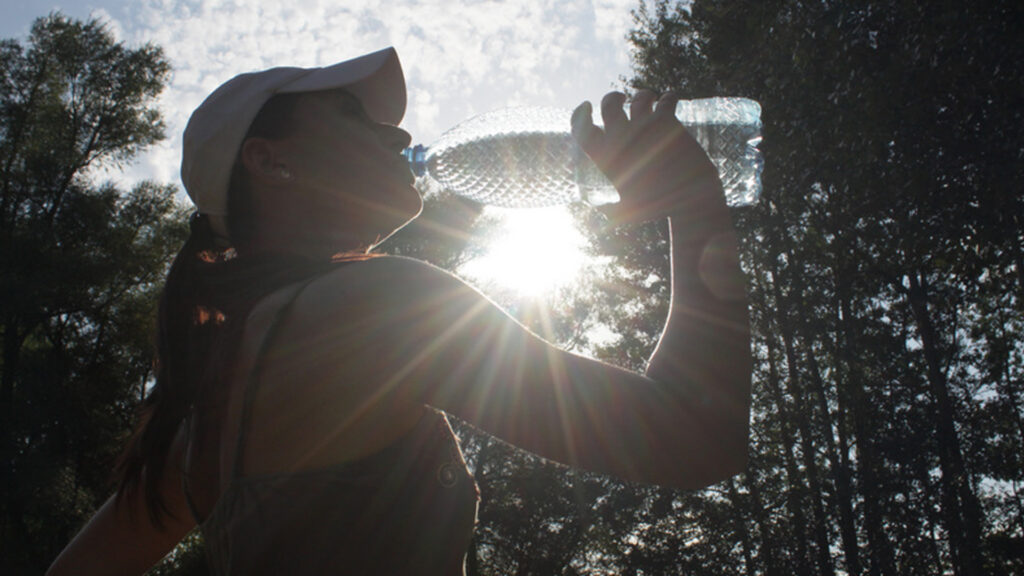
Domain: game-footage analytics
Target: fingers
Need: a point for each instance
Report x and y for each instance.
(645, 151)
(667, 104)
(643, 104)
(640, 106)
(612, 114)
(583, 122)
(583, 130)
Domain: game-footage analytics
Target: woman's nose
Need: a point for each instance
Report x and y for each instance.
(393, 137)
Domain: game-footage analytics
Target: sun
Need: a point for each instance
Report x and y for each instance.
(531, 252)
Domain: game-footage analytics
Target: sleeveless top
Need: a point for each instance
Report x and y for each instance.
(407, 509)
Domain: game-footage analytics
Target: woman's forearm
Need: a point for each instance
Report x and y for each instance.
(121, 537)
(116, 540)
(705, 347)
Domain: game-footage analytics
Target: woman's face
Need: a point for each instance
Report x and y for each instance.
(343, 183)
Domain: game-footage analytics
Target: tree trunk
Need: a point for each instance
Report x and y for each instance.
(880, 553)
(796, 488)
(766, 550)
(840, 467)
(739, 518)
(819, 527)
(11, 521)
(960, 505)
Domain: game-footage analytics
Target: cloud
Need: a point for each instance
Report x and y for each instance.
(460, 59)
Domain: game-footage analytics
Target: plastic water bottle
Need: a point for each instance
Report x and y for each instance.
(527, 158)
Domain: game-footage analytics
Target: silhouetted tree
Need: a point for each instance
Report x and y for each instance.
(80, 263)
(886, 272)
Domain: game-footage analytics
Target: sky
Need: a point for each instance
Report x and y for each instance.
(460, 58)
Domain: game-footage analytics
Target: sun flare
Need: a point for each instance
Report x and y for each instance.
(531, 251)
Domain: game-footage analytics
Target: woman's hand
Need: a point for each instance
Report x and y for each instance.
(658, 168)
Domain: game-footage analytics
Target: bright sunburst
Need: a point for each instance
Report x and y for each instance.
(531, 252)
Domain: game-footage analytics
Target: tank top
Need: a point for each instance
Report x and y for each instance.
(407, 509)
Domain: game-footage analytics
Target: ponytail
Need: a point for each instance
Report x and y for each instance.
(190, 329)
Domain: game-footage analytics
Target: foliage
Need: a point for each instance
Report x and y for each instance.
(81, 264)
(886, 275)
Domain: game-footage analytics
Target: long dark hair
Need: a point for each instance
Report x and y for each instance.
(209, 292)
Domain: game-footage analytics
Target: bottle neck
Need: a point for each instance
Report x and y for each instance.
(417, 157)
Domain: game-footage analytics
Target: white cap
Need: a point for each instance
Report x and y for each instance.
(216, 129)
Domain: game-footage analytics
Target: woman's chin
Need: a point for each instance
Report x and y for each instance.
(396, 214)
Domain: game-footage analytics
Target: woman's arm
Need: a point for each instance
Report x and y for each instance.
(398, 332)
(121, 538)
(661, 170)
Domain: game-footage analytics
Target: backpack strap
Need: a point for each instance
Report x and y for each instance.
(257, 368)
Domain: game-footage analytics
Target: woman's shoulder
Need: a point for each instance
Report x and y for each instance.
(383, 268)
(378, 276)
(384, 279)
(370, 290)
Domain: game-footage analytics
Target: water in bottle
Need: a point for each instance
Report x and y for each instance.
(527, 158)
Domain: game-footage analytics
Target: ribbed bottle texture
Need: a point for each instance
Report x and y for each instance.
(527, 158)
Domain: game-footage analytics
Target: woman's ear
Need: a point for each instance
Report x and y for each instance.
(260, 156)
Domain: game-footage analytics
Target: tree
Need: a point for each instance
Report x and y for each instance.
(886, 272)
(81, 263)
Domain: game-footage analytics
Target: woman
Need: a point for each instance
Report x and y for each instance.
(298, 412)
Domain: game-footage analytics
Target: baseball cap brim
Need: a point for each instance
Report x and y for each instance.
(376, 79)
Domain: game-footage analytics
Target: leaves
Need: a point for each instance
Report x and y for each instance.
(81, 263)
(886, 124)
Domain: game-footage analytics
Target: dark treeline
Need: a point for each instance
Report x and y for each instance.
(81, 263)
(886, 275)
